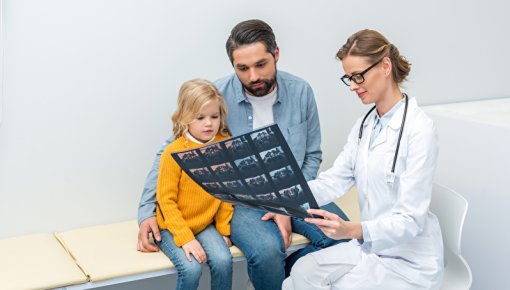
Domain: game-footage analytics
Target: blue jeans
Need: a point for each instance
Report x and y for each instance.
(218, 254)
(262, 244)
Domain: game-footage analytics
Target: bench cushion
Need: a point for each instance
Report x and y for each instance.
(36, 262)
(349, 204)
(109, 251)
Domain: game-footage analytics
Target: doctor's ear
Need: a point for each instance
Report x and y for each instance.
(387, 66)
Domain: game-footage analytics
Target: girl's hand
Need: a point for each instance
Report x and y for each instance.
(334, 226)
(227, 241)
(194, 248)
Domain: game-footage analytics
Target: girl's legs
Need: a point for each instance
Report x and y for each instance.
(188, 273)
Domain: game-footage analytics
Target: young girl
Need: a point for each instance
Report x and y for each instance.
(195, 226)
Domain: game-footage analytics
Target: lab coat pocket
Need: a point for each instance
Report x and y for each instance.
(297, 141)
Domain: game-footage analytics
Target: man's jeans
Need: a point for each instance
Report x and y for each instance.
(262, 244)
(218, 254)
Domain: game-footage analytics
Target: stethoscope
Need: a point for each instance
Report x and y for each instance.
(391, 175)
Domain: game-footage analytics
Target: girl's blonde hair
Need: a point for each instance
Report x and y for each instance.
(193, 96)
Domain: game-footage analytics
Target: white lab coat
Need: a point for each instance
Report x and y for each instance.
(406, 237)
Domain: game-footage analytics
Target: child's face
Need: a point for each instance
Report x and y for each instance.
(206, 125)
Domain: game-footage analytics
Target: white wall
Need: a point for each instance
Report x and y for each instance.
(474, 138)
(89, 85)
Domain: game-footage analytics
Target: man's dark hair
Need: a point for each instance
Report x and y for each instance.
(249, 32)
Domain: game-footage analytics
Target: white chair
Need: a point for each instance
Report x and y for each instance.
(450, 209)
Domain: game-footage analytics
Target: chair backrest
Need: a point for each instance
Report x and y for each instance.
(450, 209)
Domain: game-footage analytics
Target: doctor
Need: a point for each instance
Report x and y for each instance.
(390, 156)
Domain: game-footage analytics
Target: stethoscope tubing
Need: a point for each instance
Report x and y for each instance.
(360, 134)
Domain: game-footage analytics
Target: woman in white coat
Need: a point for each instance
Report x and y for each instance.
(397, 244)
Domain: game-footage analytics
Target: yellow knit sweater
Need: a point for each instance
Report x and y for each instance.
(184, 208)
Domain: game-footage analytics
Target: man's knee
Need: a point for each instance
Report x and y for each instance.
(268, 252)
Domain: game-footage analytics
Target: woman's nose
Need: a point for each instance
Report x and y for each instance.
(353, 86)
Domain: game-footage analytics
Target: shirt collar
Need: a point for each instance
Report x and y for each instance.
(272, 94)
(194, 140)
(387, 117)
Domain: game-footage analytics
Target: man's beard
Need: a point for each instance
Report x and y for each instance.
(267, 85)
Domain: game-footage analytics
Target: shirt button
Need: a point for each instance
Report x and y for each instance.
(249, 117)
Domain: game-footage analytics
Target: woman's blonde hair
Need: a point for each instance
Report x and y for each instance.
(372, 44)
(193, 96)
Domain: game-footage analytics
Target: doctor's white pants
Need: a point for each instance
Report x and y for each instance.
(360, 271)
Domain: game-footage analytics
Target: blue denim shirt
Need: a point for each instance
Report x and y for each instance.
(295, 112)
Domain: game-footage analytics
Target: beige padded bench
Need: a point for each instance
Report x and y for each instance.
(36, 262)
(97, 256)
(107, 254)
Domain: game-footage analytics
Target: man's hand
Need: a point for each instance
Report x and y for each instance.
(149, 225)
(194, 248)
(284, 225)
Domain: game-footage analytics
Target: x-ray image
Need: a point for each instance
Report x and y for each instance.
(213, 153)
(256, 169)
(274, 158)
(238, 147)
(249, 166)
(264, 139)
(284, 177)
(191, 159)
(224, 171)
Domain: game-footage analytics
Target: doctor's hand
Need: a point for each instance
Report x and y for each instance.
(334, 226)
(148, 226)
(284, 225)
(194, 248)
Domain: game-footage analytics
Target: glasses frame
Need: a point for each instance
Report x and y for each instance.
(347, 80)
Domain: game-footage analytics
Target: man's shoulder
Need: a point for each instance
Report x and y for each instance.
(225, 81)
(293, 86)
(288, 78)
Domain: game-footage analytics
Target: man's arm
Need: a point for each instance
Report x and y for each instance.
(313, 153)
(147, 207)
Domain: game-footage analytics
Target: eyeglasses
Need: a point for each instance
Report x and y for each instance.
(359, 77)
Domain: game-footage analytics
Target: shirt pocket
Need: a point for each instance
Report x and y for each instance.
(297, 137)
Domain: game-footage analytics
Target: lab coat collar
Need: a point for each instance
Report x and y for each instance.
(396, 120)
(395, 123)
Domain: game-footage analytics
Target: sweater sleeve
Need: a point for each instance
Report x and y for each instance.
(223, 217)
(167, 193)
